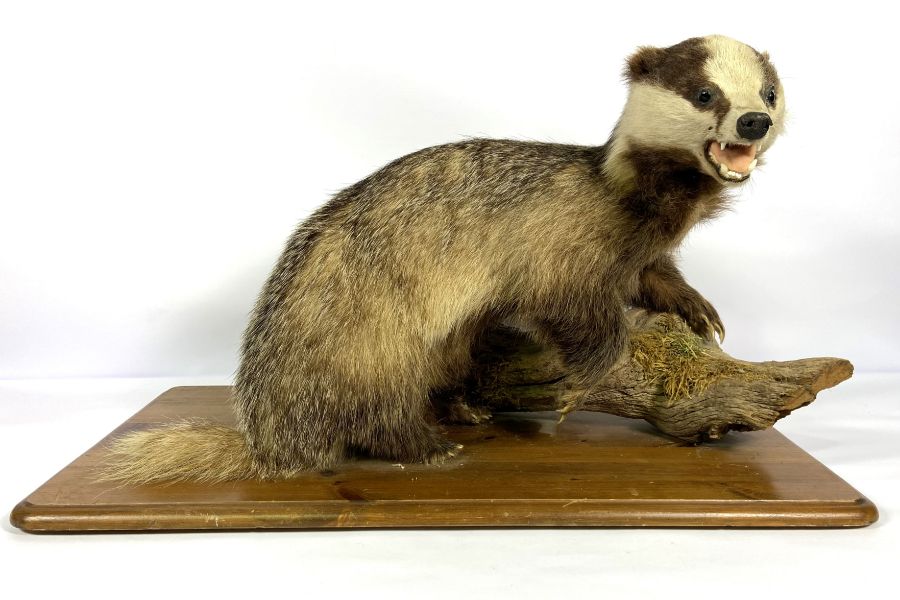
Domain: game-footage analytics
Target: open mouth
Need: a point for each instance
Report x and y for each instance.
(732, 161)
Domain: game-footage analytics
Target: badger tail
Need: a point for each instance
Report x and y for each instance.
(181, 451)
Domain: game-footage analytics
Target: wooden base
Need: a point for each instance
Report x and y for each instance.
(523, 469)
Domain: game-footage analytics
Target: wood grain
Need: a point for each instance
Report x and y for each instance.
(523, 469)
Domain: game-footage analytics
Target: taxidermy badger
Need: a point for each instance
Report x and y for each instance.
(380, 293)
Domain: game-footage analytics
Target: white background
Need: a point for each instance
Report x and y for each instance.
(154, 157)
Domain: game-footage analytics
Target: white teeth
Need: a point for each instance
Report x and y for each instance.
(724, 171)
(727, 173)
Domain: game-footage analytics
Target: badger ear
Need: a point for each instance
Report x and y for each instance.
(643, 63)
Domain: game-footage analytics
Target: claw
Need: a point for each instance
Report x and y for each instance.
(568, 407)
(720, 329)
(564, 411)
(710, 329)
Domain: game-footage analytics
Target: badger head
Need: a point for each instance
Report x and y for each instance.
(714, 99)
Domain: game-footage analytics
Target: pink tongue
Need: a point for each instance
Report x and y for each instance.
(737, 158)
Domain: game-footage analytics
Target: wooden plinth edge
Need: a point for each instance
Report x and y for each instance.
(521, 470)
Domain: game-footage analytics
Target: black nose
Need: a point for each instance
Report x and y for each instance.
(753, 125)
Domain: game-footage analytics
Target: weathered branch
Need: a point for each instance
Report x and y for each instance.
(685, 386)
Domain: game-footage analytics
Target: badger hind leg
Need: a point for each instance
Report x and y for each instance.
(321, 426)
(289, 431)
(411, 392)
(289, 457)
(403, 432)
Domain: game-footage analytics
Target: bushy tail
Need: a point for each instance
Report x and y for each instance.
(181, 451)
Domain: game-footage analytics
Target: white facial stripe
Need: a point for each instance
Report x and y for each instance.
(659, 118)
(736, 69)
(656, 114)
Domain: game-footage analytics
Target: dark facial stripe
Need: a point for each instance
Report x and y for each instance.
(769, 74)
(770, 77)
(679, 68)
(720, 105)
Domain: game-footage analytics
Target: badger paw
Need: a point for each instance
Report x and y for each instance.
(462, 413)
(443, 453)
(701, 317)
(570, 401)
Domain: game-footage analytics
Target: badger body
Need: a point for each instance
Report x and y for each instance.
(377, 299)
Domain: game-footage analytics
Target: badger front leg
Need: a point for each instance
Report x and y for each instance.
(662, 288)
(591, 341)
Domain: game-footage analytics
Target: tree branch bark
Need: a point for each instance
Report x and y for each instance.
(685, 386)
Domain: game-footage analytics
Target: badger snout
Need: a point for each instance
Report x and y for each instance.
(753, 125)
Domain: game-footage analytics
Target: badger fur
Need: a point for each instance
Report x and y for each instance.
(378, 296)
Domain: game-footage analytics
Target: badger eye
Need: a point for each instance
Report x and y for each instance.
(704, 96)
(770, 96)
